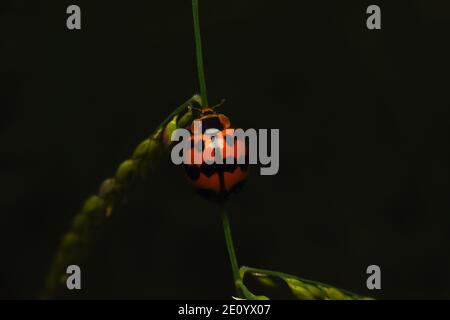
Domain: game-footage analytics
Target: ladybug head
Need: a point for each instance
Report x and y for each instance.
(207, 111)
(210, 110)
(211, 119)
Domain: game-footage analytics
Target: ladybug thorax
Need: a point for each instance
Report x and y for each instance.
(212, 120)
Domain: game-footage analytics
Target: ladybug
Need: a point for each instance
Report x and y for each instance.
(216, 181)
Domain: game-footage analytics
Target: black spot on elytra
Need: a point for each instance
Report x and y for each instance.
(211, 123)
(210, 169)
(192, 171)
(243, 166)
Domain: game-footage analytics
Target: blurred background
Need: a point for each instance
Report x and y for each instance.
(364, 128)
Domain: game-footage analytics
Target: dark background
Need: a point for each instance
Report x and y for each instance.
(364, 126)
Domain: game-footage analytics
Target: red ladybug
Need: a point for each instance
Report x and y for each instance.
(216, 181)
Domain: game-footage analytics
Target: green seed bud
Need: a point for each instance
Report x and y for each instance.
(335, 294)
(125, 172)
(93, 205)
(266, 281)
(69, 241)
(154, 148)
(106, 188)
(315, 291)
(142, 150)
(186, 119)
(168, 130)
(154, 152)
(299, 290)
(80, 223)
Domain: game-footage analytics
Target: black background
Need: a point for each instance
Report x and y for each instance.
(364, 126)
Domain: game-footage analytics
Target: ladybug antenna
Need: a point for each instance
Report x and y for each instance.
(196, 109)
(219, 105)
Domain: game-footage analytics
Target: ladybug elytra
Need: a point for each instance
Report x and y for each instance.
(212, 179)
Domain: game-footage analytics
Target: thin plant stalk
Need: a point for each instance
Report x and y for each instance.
(230, 246)
(199, 54)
